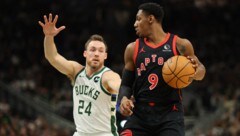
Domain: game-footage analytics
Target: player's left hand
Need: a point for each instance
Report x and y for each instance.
(195, 65)
(193, 61)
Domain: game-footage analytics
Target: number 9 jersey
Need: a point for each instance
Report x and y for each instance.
(149, 85)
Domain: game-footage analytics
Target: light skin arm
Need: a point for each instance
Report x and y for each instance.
(111, 81)
(185, 48)
(67, 67)
(127, 105)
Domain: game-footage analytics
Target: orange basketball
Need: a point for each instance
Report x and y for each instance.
(178, 71)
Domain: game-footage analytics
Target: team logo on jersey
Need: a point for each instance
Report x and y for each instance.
(167, 48)
(96, 79)
(142, 50)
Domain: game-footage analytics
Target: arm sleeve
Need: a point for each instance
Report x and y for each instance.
(128, 78)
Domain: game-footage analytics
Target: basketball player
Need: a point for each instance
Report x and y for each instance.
(158, 109)
(94, 85)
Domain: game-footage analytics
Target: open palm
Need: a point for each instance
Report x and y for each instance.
(49, 25)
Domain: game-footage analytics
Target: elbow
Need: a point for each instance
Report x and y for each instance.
(203, 75)
(200, 74)
(48, 58)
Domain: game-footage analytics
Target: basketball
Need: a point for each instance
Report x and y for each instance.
(178, 71)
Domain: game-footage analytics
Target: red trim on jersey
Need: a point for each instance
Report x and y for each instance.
(159, 44)
(126, 132)
(174, 45)
(135, 51)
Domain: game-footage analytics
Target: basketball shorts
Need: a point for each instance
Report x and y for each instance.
(171, 123)
(94, 134)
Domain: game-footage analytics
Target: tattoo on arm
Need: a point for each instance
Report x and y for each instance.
(181, 49)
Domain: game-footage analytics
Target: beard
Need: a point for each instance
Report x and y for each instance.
(94, 65)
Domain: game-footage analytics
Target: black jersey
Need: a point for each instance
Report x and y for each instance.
(149, 85)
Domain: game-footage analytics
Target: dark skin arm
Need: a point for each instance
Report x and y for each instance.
(185, 48)
(127, 104)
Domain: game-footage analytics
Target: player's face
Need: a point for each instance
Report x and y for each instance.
(95, 54)
(141, 24)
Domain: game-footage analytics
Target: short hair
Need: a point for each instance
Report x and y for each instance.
(153, 9)
(96, 37)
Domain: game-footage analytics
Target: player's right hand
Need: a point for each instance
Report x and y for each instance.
(126, 106)
(49, 25)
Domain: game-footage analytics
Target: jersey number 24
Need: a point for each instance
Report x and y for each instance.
(83, 108)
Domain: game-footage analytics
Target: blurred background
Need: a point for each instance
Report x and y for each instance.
(36, 100)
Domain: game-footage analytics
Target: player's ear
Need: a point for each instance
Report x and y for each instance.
(85, 53)
(105, 56)
(151, 19)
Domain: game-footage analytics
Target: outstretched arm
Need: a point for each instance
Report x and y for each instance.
(185, 48)
(69, 68)
(111, 81)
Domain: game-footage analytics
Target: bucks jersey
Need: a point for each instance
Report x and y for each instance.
(94, 107)
(149, 85)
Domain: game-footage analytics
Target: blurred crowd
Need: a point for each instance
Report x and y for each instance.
(211, 26)
(13, 125)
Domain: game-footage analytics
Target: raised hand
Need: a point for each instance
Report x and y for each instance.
(49, 25)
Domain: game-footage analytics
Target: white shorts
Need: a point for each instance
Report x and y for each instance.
(93, 134)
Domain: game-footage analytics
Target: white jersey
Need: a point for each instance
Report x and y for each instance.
(94, 107)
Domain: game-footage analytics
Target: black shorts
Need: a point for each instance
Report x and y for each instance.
(155, 123)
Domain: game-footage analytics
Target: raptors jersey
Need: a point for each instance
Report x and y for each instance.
(149, 59)
(94, 107)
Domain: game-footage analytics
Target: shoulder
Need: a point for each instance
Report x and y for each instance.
(182, 41)
(107, 75)
(111, 81)
(184, 46)
(76, 69)
(130, 49)
(131, 46)
(129, 55)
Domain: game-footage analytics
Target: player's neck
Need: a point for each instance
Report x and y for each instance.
(90, 71)
(157, 36)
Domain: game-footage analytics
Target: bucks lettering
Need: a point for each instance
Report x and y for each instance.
(86, 90)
